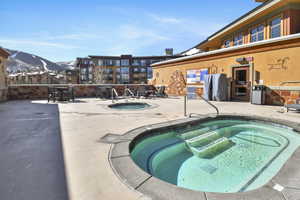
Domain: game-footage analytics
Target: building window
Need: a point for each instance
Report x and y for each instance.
(118, 70)
(135, 62)
(149, 73)
(100, 62)
(143, 70)
(125, 74)
(108, 62)
(125, 62)
(257, 34)
(143, 62)
(117, 63)
(238, 39)
(275, 28)
(83, 70)
(227, 43)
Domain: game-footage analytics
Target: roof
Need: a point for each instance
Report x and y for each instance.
(262, 5)
(229, 49)
(4, 52)
(135, 57)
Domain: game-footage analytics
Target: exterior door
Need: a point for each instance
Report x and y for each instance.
(241, 85)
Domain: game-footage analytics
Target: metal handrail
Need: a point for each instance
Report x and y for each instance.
(114, 92)
(130, 92)
(209, 103)
(285, 82)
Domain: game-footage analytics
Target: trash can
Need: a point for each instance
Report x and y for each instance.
(258, 95)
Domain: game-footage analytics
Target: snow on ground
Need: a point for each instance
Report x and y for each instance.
(44, 65)
(14, 55)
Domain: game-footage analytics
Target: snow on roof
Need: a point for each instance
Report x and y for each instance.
(191, 52)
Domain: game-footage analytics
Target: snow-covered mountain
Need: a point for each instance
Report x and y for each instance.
(19, 61)
(67, 65)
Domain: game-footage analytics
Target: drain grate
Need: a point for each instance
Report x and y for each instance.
(209, 168)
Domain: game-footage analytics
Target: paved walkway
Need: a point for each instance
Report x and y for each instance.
(89, 175)
(31, 159)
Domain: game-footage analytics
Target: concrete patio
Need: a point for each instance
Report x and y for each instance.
(85, 159)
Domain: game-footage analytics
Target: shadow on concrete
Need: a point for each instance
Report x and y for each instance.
(31, 155)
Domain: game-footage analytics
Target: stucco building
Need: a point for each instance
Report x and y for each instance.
(260, 48)
(3, 77)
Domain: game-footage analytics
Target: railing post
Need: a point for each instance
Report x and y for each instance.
(112, 95)
(185, 102)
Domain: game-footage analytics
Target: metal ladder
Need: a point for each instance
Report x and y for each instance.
(129, 91)
(115, 93)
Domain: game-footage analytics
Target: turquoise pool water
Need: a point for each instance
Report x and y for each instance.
(129, 106)
(218, 156)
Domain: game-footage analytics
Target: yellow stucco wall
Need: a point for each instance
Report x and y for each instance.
(274, 65)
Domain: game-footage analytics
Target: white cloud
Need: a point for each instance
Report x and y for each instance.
(131, 32)
(77, 36)
(8, 42)
(165, 20)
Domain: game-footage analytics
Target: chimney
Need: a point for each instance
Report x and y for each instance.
(169, 51)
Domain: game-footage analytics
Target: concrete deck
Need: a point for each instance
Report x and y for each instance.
(88, 171)
(31, 158)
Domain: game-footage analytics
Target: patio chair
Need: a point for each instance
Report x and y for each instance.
(294, 106)
(52, 94)
(161, 92)
(103, 92)
(142, 92)
(68, 94)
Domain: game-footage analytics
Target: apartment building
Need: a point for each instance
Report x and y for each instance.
(124, 69)
(261, 47)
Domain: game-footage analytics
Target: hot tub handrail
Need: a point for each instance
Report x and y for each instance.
(130, 92)
(114, 92)
(209, 103)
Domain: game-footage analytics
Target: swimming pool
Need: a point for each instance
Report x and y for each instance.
(129, 106)
(225, 155)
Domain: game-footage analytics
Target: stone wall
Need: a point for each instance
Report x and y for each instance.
(3, 95)
(3, 81)
(282, 97)
(19, 92)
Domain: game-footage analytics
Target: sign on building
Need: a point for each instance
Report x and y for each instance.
(196, 76)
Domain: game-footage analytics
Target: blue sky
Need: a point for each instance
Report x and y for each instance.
(61, 30)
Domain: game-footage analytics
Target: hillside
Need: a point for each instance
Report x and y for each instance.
(19, 61)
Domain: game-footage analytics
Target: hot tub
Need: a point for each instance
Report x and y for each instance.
(129, 106)
(226, 155)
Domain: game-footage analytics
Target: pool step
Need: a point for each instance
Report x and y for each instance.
(203, 139)
(212, 149)
(193, 133)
